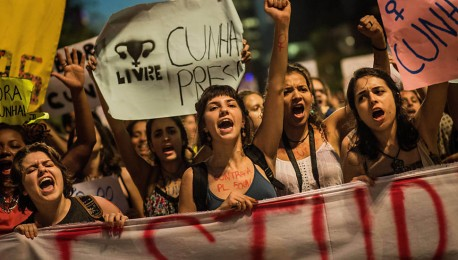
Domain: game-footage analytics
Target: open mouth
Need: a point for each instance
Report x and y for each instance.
(411, 112)
(46, 184)
(377, 114)
(5, 167)
(168, 149)
(225, 124)
(298, 110)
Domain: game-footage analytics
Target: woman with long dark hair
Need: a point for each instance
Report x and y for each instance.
(106, 161)
(386, 142)
(159, 185)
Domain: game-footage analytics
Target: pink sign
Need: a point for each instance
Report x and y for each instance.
(423, 39)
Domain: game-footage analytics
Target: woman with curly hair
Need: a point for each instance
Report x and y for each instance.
(14, 138)
(386, 142)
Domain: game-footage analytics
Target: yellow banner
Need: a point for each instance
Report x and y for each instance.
(28, 42)
(15, 96)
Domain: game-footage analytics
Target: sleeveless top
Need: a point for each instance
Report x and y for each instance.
(82, 209)
(259, 189)
(158, 203)
(427, 159)
(328, 166)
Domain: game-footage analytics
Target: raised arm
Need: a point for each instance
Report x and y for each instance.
(427, 119)
(271, 125)
(338, 125)
(370, 27)
(137, 167)
(77, 157)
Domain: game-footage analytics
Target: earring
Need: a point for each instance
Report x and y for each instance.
(243, 134)
(208, 137)
(311, 112)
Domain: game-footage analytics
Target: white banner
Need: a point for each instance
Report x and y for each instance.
(155, 60)
(413, 216)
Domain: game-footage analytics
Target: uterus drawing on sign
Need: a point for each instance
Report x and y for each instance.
(135, 48)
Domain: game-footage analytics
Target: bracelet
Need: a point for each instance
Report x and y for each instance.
(379, 49)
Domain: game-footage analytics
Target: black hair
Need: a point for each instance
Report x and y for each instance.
(210, 93)
(367, 144)
(316, 117)
(110, 160)
(30, 133)
(159, 179)
(130, 127)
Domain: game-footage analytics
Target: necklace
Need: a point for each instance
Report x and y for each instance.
(298, 141)
(397, 165)
(7, 207)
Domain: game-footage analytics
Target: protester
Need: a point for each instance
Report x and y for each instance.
(45, 187)
(253, 102)
(106, 161)
(137, 130)
(322, 94)
(232, 180)
(159, 185)
(308, 156)
(411, 102)
(386, 141)
(13, 138)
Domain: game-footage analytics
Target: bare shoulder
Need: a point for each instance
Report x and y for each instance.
(351, 160)
(188, 175)
(186, 201)
(106, 205)
(125, 174)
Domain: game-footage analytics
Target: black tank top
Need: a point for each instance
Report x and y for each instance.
(82, 209)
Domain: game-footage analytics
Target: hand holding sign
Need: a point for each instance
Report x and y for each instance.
(73, 70)
(246, 55)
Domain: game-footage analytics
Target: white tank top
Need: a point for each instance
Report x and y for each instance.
(328, 166)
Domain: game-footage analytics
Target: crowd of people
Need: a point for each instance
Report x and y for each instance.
(237, 149)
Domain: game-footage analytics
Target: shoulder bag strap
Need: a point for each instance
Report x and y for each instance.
(312, 151)
(200, 183)
(292, 159)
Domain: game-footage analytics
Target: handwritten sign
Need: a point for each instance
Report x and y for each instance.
(423, 39)
(58, 99)
(106, 187)
(15, 96)
(28, 41)
(412, 216)
(156, 59)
